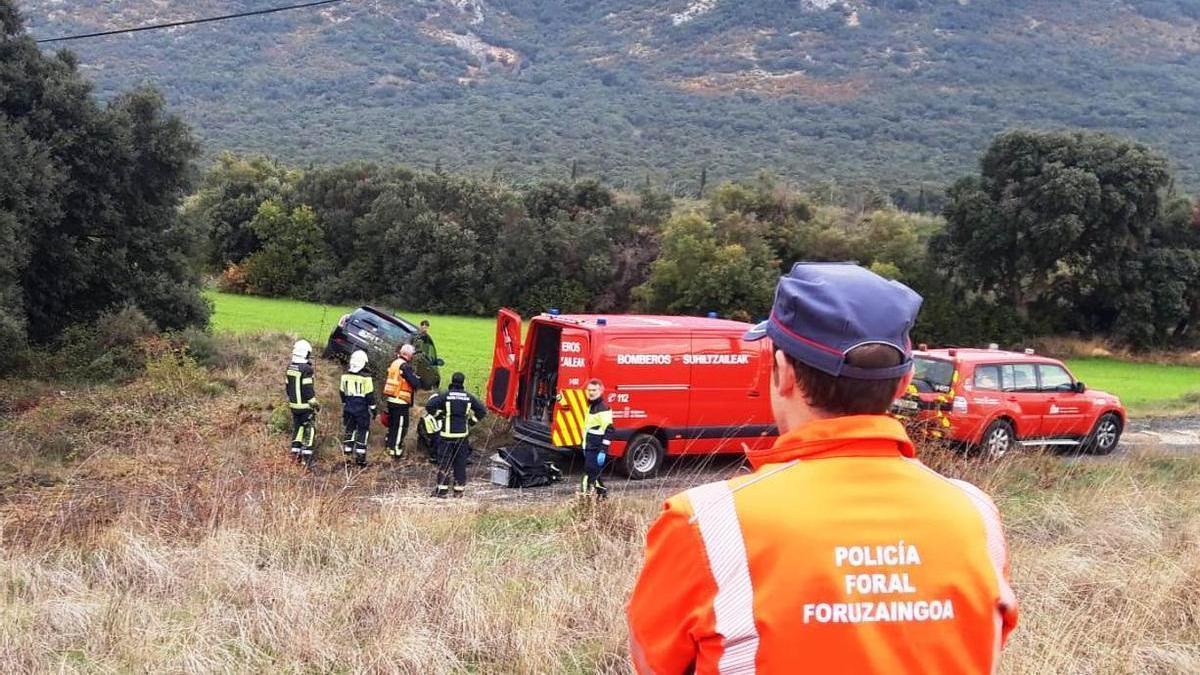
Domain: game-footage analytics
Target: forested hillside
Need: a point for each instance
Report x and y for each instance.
(891, 92)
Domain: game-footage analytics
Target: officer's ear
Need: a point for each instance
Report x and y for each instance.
(783, 375)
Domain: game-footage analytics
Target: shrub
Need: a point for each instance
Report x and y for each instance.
(234, 280)
(111, 349)
(173, 372)
(200, 345)
(123, 327)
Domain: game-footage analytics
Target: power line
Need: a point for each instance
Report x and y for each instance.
(189, 22)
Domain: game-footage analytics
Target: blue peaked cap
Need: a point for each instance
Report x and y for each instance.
(823, 310)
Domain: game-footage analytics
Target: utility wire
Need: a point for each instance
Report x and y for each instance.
(189, 22)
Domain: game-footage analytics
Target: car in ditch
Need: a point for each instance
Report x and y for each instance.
(379, 333)
(995, 401)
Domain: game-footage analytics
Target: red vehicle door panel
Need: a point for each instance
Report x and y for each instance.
(566, 430)
(506, 364)
(726, 400)
(1021, 396)
(1067, 413)
(649, 383)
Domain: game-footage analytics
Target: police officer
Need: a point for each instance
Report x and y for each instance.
(302, 400)
(841, 552)
(357, 390)
(458, 411)
(402, 382)
(597, 437)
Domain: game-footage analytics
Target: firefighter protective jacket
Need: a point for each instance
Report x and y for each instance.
(358, 393)
(402, 381)
(300, 391)
(598, 427)
(457, 410)
(840, 553)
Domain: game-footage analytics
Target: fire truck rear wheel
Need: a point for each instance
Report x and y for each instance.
(643, 457)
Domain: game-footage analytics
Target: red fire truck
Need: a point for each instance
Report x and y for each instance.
(676, 385)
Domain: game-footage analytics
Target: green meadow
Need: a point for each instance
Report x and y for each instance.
(466, 342)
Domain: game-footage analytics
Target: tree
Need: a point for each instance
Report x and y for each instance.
(702, 268)
(293, 246)
(90, 214)
(1053, 220)
(230, 194)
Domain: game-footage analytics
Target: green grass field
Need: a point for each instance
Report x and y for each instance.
(466, 342)
(1144, 388)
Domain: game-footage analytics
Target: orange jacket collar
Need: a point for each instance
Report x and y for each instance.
(853, 436)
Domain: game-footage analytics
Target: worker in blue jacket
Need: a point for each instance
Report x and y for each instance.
(457, 411)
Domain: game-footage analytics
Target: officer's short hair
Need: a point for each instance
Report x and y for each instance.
(596, 381)
(425, 323)
(847, 395)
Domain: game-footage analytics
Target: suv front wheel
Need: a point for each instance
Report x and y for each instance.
(1104, 436)
(997, 440)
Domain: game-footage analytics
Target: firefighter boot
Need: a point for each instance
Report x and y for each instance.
(459, 490)
(441, 491)
(601, 489)
(584, 487)
(307, 457)
(360, 454)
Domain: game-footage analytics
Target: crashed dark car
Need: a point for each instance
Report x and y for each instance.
(379, 333)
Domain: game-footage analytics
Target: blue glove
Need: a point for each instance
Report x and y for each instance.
(600, 458)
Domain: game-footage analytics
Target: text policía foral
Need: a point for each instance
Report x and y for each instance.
(896, 559)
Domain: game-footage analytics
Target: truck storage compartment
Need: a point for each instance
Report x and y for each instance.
(540, 386)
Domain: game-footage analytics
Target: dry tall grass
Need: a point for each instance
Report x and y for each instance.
(169, 534)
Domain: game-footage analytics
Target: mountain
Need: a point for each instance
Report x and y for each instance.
(890, 92)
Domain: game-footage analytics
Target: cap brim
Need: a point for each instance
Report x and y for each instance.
(757, 333)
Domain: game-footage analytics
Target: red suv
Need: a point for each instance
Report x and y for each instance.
(995, 400)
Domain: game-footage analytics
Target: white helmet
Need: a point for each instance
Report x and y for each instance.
(358, 361)
(300, 351)
(407, 351)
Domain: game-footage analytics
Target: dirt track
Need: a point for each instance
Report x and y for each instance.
(1174, 433)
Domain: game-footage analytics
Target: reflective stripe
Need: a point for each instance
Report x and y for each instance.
(733, 606)
(447, 432)
(356, 385)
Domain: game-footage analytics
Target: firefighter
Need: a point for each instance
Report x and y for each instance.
(457, 411)
(597, 437)
(302, 400)
(357, 390)
(840, 552)
(402, 383)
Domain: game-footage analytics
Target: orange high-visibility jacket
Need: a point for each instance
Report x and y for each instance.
(398, 389)
(841, 553)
